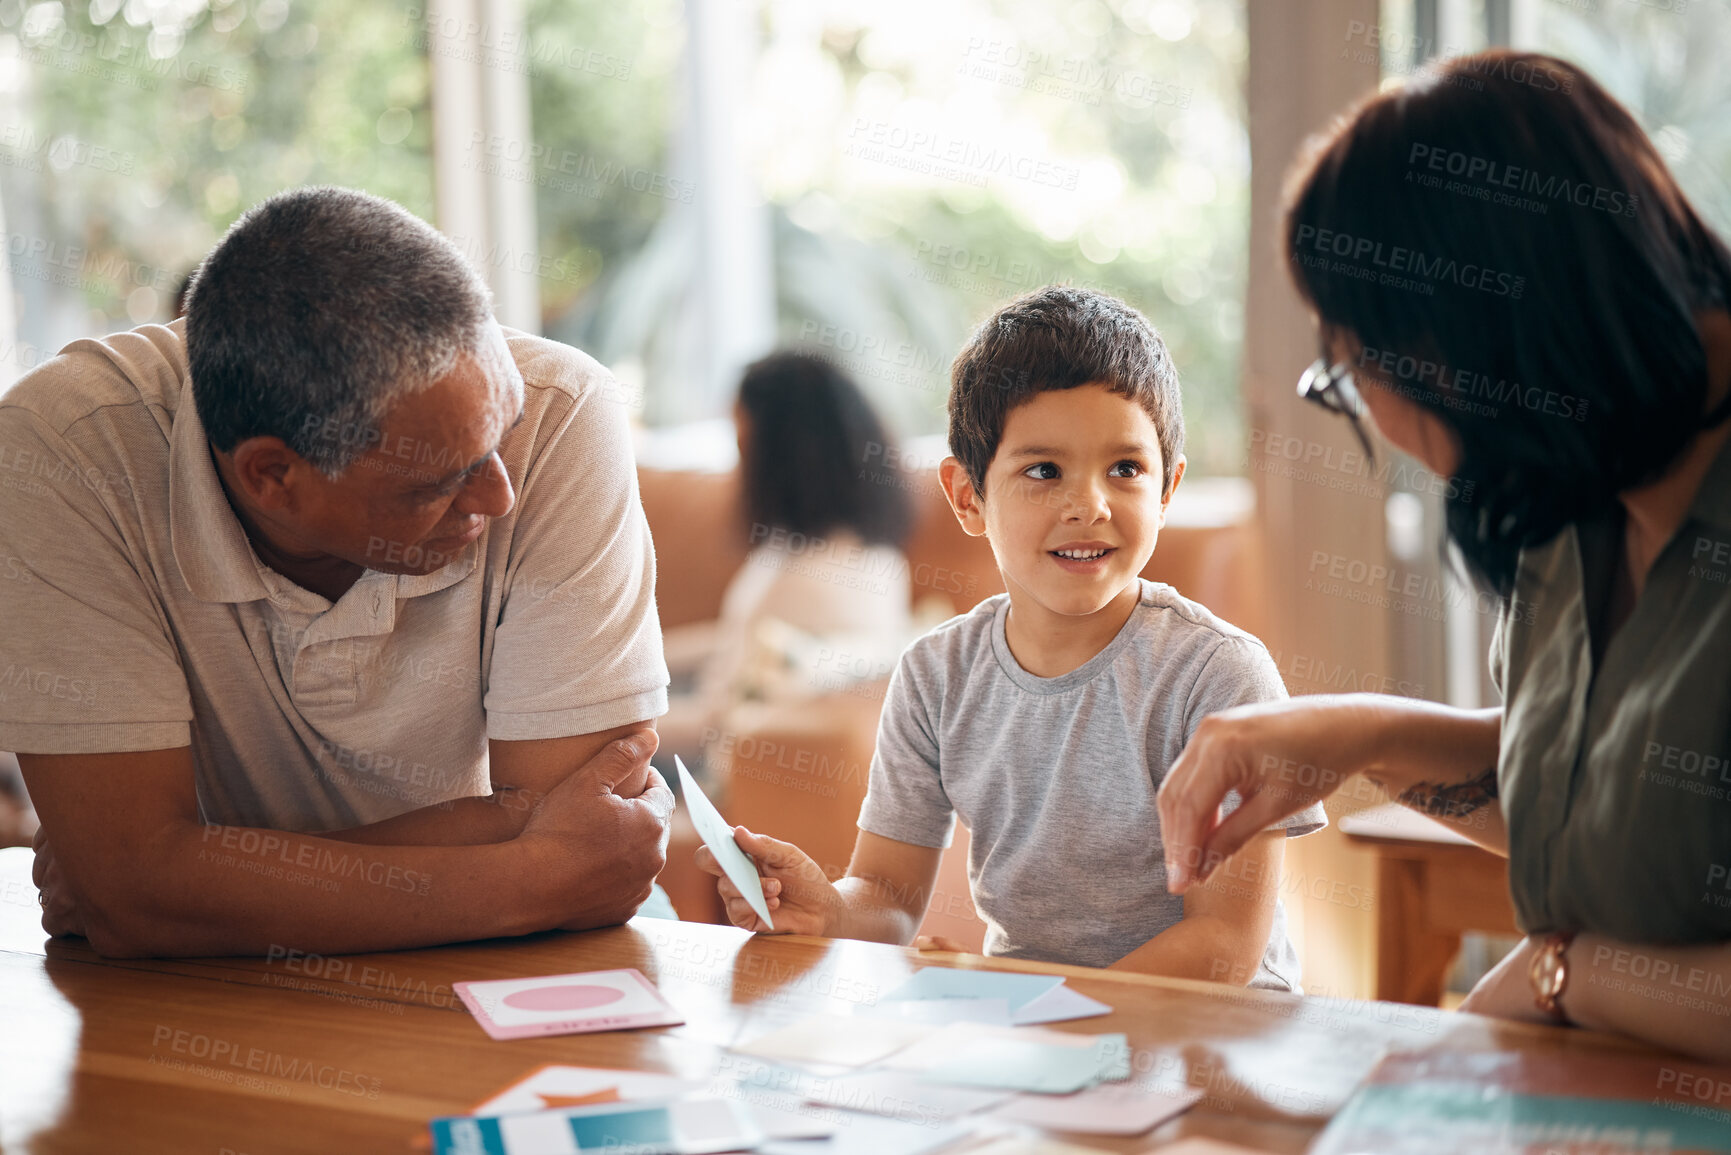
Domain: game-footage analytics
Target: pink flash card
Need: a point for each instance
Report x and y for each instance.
(567, 1004)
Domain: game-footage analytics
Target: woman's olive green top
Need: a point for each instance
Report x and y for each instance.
(1616, 781)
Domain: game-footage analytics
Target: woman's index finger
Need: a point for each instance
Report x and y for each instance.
(1189, 804)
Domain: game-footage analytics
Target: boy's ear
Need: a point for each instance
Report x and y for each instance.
(964, 499)
(1177, 476)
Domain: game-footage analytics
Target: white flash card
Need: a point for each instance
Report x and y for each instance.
(718, 836)
(567, 1004)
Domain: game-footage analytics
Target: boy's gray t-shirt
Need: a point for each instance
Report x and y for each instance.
(1056, 777)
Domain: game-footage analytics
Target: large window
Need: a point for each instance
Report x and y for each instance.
(917, 164)
(1670, 62)
(132, 132)
(885, 173)
(906, 167)
(604, 88)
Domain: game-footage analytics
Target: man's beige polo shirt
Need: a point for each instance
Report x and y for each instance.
(134, 614)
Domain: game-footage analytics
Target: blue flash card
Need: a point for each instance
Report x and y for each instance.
(718, 836)
(945, 983)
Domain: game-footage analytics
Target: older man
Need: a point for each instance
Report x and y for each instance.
(329, 623)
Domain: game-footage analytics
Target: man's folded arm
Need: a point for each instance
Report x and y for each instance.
(522, 774)
(150, 879)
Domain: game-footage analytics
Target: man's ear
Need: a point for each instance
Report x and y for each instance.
(964, 499)
(269, 472)
(1177, 476)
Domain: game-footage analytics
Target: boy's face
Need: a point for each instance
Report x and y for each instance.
(1073, 499)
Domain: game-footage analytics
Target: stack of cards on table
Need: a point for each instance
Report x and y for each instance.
(955, 1054)
(755, 1106)
(946, 1056)
(943, 1058)
(560, 1110)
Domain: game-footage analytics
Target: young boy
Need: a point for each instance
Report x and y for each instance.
(1047, 717)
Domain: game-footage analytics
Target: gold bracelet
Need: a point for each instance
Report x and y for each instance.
(1550, 974)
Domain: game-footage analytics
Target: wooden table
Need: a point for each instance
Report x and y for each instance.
(1432, 886)
(357, 1053)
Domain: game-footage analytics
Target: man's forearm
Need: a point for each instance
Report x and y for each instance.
(228, 890)
(523, 774)
(498, 817)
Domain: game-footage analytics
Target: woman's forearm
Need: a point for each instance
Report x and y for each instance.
(1285, 756)
(1675, 997)
(1440, 761)
(1410, 742)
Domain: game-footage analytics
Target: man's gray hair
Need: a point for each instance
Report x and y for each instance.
(320, 308)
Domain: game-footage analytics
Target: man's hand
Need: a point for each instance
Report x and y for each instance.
(59, 910)
(601, 835)
(800, 898)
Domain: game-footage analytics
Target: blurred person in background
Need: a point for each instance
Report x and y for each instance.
(826, 574)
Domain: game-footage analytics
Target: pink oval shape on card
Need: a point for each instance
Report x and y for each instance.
(568, 998)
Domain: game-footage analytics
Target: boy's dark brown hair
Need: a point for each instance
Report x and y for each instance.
(1059, 337)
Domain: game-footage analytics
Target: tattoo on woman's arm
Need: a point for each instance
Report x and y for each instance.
(1451, 800)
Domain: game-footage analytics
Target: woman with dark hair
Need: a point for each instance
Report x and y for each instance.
(826, 575)
(1510, 284)
(811, 454)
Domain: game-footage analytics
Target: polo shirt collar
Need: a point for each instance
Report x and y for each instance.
(414, 585)
(217, 561)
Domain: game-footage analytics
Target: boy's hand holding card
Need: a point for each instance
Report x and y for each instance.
(768, 885)
(799, 894)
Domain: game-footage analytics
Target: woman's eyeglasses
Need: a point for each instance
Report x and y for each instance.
(1331, 387)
